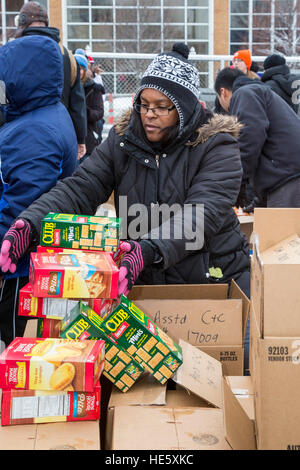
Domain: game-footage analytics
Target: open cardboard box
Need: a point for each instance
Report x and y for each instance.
(275, 271)
(204, 315)
(202, 413)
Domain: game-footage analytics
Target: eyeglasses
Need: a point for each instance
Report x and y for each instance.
(159, 111)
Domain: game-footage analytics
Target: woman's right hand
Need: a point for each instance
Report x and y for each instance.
(15, 244)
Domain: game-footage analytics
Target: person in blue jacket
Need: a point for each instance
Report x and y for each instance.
(38, 146)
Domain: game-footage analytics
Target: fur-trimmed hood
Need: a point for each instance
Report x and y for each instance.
(219, 123)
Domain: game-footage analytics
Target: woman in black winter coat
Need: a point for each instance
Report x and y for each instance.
(175, 170)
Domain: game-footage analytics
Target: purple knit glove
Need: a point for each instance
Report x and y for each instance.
(137, 257)
(15, 244)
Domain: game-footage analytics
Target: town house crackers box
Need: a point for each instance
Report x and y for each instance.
(81, 276)
(51, 364)
(80, 231)
(120, 368)
(56, 309)
(37, 406)
(143, 340)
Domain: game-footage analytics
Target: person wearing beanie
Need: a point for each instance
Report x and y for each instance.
(279, 78)
(175, 171)
(33, 20)
(242, 60)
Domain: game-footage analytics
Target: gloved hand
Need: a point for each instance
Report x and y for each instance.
(15, 244)
(138, 255)
(254, 203)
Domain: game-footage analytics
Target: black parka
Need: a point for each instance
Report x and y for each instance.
(204, 169)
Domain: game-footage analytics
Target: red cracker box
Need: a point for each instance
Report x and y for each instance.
(48, 328)
(80, 276)
(52, 364)
(36, 406)
(57, 309)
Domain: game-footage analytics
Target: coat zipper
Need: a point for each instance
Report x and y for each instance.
(157, 160)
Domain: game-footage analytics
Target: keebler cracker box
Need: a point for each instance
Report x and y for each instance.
(80, 231)
(56, 309)
(143, 340)
(52, 364)
(79, 276)
(37, 406)
(120, 368)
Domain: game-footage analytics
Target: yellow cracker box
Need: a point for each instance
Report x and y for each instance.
(143, 340)
(80, 231)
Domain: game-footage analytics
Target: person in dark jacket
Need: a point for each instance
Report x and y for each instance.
(37, 147)
(175, 171)
(94, 104)
(269, 141)
(278, 76)
(33, 20)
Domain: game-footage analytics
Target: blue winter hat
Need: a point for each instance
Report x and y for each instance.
(80, 52)
(82, 61)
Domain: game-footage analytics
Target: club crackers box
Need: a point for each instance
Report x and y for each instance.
(51, 364)
(80, 232)
(38, 406)
(120, 368)
(79, 276)
(143, 340)
(56, 309)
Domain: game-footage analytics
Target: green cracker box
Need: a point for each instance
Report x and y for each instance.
(84, 232)
(120, 368)
(143, 340)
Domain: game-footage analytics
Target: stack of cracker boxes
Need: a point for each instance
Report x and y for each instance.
(48, 379)
(73, 292)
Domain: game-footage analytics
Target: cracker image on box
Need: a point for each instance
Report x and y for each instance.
(80, 276)
(119, 367)
(80, 231)
(143, 340)
(40, 406)
(51, 364)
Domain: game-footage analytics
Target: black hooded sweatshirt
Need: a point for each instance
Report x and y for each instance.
(284, 83)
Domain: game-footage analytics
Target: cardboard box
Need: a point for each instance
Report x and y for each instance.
(56, 309)
(276, 270)
(119, 367)
(36, 406)
(243, 390)
(143, 340)
(246, 222)
(82, 435)
(181, 311)
(80, 276)
(51, 364)
(203, 414)
(80, 232)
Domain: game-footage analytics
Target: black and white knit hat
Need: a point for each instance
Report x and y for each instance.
(172, 74)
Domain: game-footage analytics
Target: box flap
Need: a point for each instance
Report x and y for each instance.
(179, 291)
(201, 374)
(147, 391)
(184, 398)
(285, 252)
(241, 385)
(239, 428)
(274, 225)
(237, 293)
